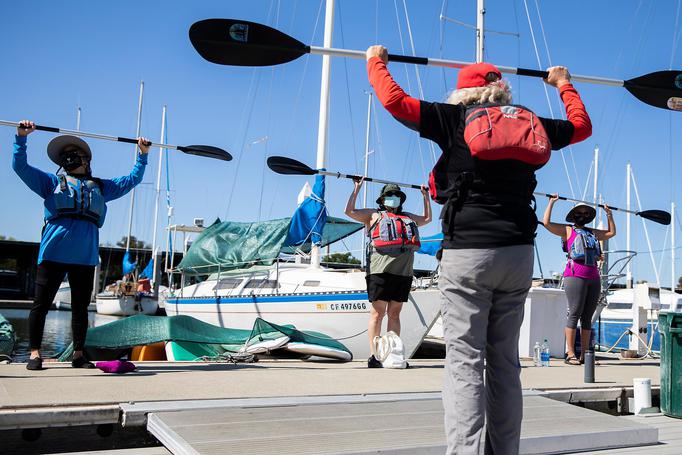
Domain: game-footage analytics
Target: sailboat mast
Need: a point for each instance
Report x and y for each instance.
(364, 195)
(322, 129)
(596, 180)
(158, 196)
(480, 27)
(628, 269)
(78, 118)
(132, 193)
(673, 282)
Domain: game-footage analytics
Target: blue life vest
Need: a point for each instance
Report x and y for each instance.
(78, 198)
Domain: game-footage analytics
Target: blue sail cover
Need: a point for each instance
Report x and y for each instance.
(309, 219)
(149, 270)
(431, 244)
(128, 266)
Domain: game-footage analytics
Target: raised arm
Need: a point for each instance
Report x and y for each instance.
(555, 228)
(402, 106)
(38, 181)
(361, 215)
(120, 186)
(426, 218)
(576, 113)
(611, 232)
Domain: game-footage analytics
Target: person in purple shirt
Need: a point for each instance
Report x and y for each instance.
(582, 281)
(75, 209)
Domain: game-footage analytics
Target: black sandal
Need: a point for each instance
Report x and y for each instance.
(572, 360)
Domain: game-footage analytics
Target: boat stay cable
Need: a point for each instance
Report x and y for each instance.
(549, 103)
(646, 231)
(294, 111)
(348, 97)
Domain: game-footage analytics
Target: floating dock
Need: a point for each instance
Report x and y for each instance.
(320, 407)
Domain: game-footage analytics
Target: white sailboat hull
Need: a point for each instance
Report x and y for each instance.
(342, 314)
(62, 300)
(126, 305)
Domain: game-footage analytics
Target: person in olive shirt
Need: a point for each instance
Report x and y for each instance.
(389, 279)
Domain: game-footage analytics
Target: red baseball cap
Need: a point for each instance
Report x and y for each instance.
(476, 75)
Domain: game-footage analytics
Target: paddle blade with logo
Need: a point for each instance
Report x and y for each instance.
(661, 89)
(243, 43)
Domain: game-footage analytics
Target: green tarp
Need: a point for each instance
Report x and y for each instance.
(234, 245)
(140, 330)
(7, 337)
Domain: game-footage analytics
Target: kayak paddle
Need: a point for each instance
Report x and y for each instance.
(206, 151)
(243, 43)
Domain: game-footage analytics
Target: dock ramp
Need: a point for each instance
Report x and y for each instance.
(389, 424)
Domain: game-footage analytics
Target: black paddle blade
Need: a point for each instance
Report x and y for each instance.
(288, 166)
(243, 43)
(207, 151)
(661, 89)
(657, 216)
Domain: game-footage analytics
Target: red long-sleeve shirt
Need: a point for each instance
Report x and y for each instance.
(406, 108)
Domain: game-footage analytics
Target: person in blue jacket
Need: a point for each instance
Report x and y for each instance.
(75, 209)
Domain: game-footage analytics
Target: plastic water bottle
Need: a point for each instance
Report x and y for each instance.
(544, 354)
(536, 354)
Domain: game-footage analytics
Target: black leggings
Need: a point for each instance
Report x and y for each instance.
(48, 278)
(582, 295)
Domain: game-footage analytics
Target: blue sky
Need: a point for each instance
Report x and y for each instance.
(60, 55)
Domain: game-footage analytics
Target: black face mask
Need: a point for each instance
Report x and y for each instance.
(72, 160)
(580, 220)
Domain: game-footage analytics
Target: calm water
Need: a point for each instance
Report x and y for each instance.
(57, 335)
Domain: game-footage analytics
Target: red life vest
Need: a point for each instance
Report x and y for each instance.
(493, 132)
(394, 234)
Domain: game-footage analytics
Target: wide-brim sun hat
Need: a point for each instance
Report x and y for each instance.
(391, 188)
(59, 143)
(570, 216)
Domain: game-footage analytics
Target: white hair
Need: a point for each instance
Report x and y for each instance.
(498, 92)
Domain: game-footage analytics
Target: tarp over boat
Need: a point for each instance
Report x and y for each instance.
(143, 330)
(231, 245)
(7, 338)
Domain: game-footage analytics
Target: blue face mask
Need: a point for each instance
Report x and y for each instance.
(392, 201)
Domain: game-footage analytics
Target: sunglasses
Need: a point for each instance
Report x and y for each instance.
(583, 213)
(491, 77)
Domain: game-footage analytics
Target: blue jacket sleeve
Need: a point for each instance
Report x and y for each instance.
(120, 186)
(38, 181)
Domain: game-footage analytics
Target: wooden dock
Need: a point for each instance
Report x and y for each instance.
(61, 396)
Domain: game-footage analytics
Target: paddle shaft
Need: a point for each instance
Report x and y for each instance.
(564, 198)
(459, 64)
(51, 129)
(367, 179)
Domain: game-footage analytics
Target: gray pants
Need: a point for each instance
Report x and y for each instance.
(583, 296)
(483, 292)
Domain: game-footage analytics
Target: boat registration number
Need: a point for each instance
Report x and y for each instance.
(342, 306)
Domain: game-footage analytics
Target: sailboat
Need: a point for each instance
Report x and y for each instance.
(308, 296)
(122, 298)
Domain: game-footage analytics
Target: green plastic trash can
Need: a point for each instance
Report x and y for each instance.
(670, 327)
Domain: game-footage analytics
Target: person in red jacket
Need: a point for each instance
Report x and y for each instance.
(489, 226)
